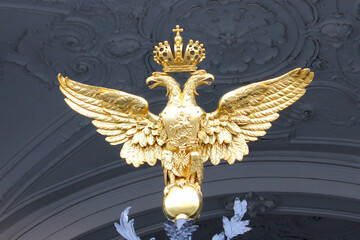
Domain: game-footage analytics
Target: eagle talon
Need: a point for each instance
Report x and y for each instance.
(181, 183)
(197, 187)
(166, 190)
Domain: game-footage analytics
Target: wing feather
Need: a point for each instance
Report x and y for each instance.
(109, 132)
(247, 112)
(88, 112)
(122, 102)
(122, 117)
(256, 127)
(112, 126)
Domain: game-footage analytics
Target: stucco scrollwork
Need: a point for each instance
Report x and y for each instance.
(238, 34)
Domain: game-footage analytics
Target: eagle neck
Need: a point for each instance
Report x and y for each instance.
(174, 91)
(189, 92)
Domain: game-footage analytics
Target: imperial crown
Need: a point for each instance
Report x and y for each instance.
(178, 61)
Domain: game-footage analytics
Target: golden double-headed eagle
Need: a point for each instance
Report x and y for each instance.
(183, 136)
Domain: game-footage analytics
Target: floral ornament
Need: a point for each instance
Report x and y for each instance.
(336, 31)
(256, 203)
(237, 33)
(235, 226)
(86, 44)
(38, 52)
(180, 230)
(126, 227)
(183, 229)
(125, 47)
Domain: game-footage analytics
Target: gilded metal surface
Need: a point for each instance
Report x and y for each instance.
(184, 136)
(182, 202)
(176, 61)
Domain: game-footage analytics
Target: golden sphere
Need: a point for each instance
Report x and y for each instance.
(182, 202)
(178, 39)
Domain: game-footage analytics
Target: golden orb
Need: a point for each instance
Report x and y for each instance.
(182, 202)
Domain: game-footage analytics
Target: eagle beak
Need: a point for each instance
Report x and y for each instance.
(209, 78)
(152, 79)
(159, 78)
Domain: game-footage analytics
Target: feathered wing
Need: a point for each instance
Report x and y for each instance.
(122, 117)
(246, 113)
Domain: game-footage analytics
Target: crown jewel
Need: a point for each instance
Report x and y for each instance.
(177, 61)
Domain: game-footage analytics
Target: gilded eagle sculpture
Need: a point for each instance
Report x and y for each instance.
(183, 136)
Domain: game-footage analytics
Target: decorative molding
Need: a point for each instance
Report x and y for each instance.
(183, 229)
(246, 176)
(110, 43)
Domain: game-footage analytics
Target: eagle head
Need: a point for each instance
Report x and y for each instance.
(198, 78)
(163, 79)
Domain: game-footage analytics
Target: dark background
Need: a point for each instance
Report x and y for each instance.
(59, 179)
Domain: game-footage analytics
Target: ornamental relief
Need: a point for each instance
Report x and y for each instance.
(240, 35)
(263, 34)
(110, 43)
(244, 39)
(283, 227)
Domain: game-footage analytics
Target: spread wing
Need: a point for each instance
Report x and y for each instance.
(246, 113)
(122, 117)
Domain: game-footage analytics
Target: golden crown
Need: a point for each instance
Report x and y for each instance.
(177, 61)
